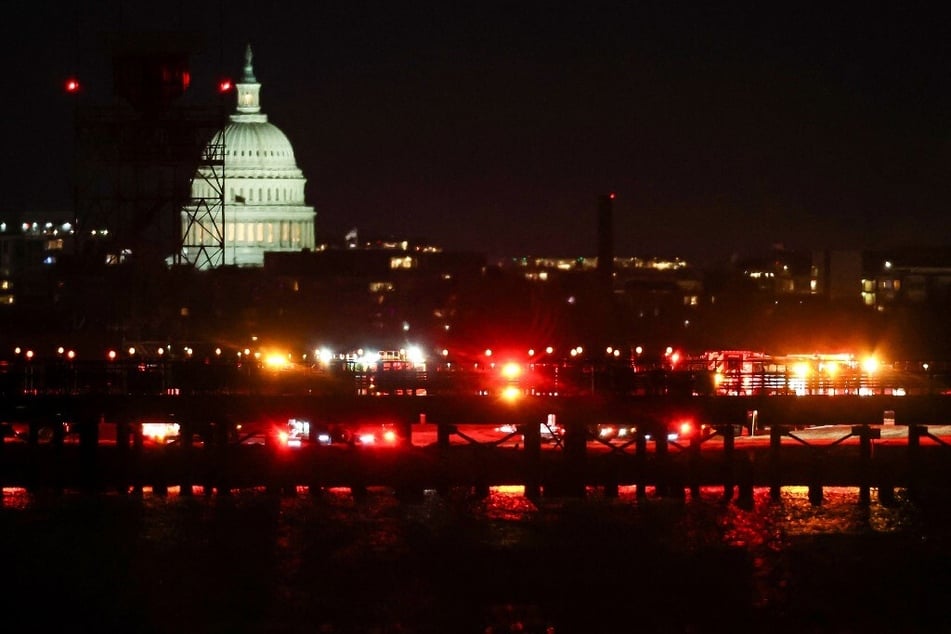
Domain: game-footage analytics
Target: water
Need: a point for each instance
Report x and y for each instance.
(329, 563)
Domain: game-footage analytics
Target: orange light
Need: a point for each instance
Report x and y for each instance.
(686, 428)
(71, 354)
(71, 85)
(111, 355)
(389, 436)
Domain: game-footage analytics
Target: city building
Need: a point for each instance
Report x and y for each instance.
(906, 277)
(264, 206)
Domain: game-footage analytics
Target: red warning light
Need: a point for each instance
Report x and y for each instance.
(72, 85)
(611, 195)
(225, 85)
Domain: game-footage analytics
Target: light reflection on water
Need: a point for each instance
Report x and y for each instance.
(332, 562)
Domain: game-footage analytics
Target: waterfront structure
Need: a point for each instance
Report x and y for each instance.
(264, 207)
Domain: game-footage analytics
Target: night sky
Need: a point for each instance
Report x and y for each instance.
(495, 127)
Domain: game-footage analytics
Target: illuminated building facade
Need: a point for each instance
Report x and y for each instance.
(909, 277)
(264, 208)
(27, 251)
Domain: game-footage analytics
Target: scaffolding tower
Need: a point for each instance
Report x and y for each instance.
(136, 158)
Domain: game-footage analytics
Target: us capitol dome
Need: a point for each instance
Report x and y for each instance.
(264, 207)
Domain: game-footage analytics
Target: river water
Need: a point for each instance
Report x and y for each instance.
(330, 563)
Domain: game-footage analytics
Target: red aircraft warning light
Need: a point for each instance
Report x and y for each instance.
(71, 85)
(225, 85)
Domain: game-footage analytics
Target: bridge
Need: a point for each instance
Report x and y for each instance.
(734, 442)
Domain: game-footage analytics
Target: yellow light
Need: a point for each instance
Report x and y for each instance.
(831, 368)
(717, 379)
(801, 369)
(276, 361)
(870, 365)
(511, 393)
(511, 370)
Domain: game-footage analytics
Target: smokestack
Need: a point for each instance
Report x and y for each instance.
(606, 237)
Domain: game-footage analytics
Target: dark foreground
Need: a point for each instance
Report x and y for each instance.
(252, 562)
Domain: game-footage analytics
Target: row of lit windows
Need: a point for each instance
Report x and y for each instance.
(255, 153)
(259, 194)
(281, 234)
(272, 195)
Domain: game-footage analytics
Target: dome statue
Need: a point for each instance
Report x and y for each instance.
(264, 208)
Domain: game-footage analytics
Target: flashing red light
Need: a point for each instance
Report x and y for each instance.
(686, 428)
(611, 195)
(225, 85)
(72, 85)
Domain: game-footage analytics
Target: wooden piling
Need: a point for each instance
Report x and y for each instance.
(532, 459)
(775, 468)
(729, 445)
(640, 457)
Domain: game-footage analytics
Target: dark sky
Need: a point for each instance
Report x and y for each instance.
(494, 126)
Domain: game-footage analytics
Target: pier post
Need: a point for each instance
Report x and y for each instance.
(663, 461)
(694, 465)
(745, 495)
(33, 442)
(576, 448)
(186, 435)
(915, 432)
(775, 473)
(137, 457)
(220, 459)
(89, 452)
(865, 434)
(122, 454)
(815, 478)
(444, 432)
(272, 455)
(59, 475)
(532, 451)
(640, 457)
(729, 444)
(2, 463)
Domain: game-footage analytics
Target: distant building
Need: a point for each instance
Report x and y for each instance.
(906, 277)
(28, 250)
(264, 206)
(782, 272)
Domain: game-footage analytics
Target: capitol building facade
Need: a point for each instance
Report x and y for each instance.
(263, 189)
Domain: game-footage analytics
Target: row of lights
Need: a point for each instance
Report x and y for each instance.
(72, 86)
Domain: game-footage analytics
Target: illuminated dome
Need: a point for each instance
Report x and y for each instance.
(257, 146)
(264, 206)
